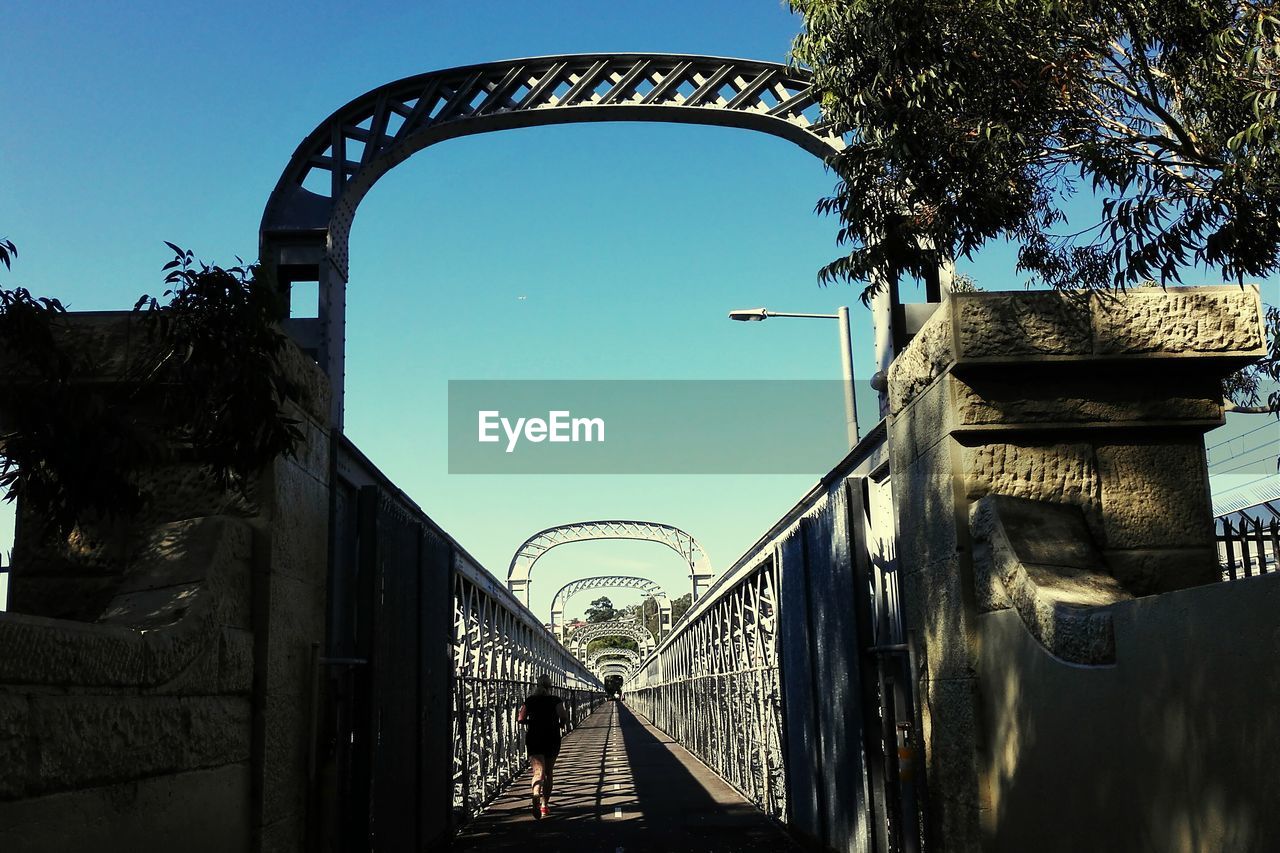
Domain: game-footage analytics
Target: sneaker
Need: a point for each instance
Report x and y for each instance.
(544, 811)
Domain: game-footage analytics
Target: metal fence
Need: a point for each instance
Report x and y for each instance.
(715, 689)
(428, 658)
(791, 678)
(499, 653)
(1247, 547)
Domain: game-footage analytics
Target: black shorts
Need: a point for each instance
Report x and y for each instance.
(547, 747)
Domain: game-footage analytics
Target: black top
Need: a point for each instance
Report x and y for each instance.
(541, 719)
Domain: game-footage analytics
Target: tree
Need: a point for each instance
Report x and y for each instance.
(601, 610)
(210, 353)
(618, 642)
(976, 120)
(680, 606)
(612, 684)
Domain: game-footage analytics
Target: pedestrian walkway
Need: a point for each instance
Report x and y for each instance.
(622, 785)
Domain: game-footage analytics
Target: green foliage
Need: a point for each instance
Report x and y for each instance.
(611, 643)
(680, 606)
(601, 610)
(612, 684)
(72, 449)
(976, 120)
(217, 340)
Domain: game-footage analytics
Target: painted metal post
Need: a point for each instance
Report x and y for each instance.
(846, 359)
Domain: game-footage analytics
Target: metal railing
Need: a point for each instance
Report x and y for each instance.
(429, 657)
(1247, 547)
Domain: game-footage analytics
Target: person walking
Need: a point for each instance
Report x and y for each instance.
(542, 714)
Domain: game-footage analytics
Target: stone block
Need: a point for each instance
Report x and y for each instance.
(51, 651)
(188, 551)
(1057, 473)
(951, 736)
(1182, 321)
(312, 455)
(927, 420)
(284, 758)
(1155, 495)
(1034, 400)
(89, 740)
(1148, 571)
(235, 661)
(313, 391)
(927, 357)
(1012, 325)
(1042, 557)
(202, 811)
(300, 524)
(925, 504)
(937, 607)
(15, 744)
(284, 835)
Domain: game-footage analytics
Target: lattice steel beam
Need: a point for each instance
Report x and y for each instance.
(600, 655)
(520, 573)
(645, 585)
(615, 628)
(307, 222)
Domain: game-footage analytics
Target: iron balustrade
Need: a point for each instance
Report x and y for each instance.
(428, 659)
(715, 689)
(1248, 547)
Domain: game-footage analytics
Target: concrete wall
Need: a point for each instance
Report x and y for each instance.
(172, 712)
(1051, 490)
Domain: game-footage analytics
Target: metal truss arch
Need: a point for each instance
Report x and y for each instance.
(616, 628)
(306, 225)
(601, 655)
(520, 572)
(649, 587)
(376, 131)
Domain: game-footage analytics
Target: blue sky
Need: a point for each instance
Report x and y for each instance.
(128, 124)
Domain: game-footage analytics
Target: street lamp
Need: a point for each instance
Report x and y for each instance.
(751, 315)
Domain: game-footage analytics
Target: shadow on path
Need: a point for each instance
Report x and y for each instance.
(622, 784)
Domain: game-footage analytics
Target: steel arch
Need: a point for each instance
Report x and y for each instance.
(307, 222)
(616, 628)
(519, 574)
(572, 588)
(629, 656)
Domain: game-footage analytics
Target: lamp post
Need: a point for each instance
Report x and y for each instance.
(846, 354)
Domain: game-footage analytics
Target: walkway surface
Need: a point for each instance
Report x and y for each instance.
(622, 786)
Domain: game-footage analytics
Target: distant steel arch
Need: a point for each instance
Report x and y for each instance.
(600, 655)
(520, 572)
(645, 585)
(307, 222)
(616, 628)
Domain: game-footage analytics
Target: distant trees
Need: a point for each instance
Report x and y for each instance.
(601, 610)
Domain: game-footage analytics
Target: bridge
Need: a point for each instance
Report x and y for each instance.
(997, 623)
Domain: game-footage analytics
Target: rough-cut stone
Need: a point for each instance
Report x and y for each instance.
(1155, 495)
(202, 811)
(924, 360)
(930, 419)
(1200, 320)
(1009, 399)
(235, 661)
(15, 734)
(1059, 473)
(950, 719)
(1147, 571)
(1043, 558)
(1007, 325)
(90, 740)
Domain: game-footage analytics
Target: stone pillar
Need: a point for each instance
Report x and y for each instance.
(1090, 407)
